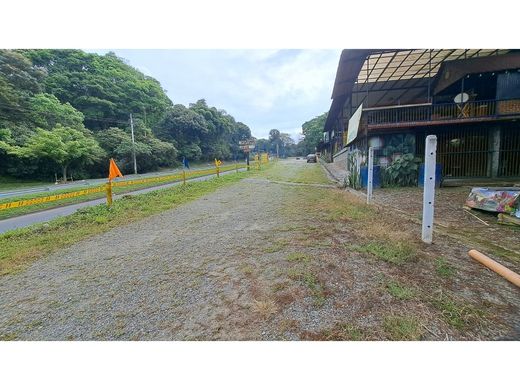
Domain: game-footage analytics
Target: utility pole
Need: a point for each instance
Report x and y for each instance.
(133, 143)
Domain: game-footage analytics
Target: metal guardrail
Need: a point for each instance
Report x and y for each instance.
(108, 186)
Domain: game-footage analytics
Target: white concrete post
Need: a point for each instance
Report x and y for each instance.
(430, 157)
(370, 177)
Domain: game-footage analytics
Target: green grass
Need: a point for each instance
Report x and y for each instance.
(395, 252)
(399, 291)
(458, 314)
(402, 328)
(310, 280)
(10, 183)
(22, 246)
(342, 332)
(443, 269)
(295, 173)
(299, 257)
(10, 213)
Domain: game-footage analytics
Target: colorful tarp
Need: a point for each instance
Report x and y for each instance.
(500, 200)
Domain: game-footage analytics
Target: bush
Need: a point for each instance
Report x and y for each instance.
(402, 172)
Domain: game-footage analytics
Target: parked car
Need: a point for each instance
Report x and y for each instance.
(311, 158)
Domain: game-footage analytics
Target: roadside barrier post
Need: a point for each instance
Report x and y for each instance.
(183, 176)
(236, 167)
(370, 178)
(217, 167)
(430, 157)
(109, 193)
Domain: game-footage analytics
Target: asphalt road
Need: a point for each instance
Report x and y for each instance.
(50, 214)
(89, 182)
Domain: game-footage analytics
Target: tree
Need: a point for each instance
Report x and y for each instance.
(274, 139)
(47, 112)
(63, 146)
(313, 132)
(104, 88)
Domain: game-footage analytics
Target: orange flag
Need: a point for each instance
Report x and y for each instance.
(113, 170)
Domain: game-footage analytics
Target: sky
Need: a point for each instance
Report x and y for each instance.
(265, 89)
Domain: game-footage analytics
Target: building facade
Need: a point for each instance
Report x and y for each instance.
(392, 99)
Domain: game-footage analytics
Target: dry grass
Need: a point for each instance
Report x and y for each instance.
(265, 309)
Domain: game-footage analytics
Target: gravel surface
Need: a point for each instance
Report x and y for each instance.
(177, 275)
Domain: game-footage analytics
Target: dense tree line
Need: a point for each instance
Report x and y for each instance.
(67, 112)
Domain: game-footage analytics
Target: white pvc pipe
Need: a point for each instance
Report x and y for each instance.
(370, 177)
(430, 158)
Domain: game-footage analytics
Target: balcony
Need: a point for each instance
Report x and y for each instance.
(432, 114)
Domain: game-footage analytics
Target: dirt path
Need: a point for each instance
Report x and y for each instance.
(255, 260)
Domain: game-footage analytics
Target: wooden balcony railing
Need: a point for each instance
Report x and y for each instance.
(442, 112)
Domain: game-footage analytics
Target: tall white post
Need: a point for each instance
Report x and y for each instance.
(430, 157)
(133, 144)
(370, 178)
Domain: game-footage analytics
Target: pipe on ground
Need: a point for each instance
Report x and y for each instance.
(509, 275)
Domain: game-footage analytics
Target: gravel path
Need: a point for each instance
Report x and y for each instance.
(177, 275)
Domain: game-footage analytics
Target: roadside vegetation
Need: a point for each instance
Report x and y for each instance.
(338, 249)
(21, 247)
(116, 190)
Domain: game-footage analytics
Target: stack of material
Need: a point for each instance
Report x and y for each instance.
(505, 201)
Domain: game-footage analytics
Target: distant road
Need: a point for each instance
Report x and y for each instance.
(90, 182)
(50, 214)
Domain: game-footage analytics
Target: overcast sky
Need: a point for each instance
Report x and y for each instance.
(265, 89)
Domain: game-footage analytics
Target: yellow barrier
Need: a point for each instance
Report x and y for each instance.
(50, 198)
(107, 188)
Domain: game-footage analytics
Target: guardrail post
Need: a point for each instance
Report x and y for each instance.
(430, 157)
(109, 193)
(370, 178)
(183, 176)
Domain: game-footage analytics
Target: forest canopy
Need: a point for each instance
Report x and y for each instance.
(66, 112)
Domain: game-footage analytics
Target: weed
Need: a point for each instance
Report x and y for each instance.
(299, 257)
(402, 328)
(443, 268)
(311, 281)
(399, 291)
(395, 252)
(265, 309)
(276, 247)
(343, 332)
(8, 337)
(247, 269)
(456, 313)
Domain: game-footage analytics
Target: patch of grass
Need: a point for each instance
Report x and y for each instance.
(399, 291)
(298, 257)
(247, 269)
(402, 328)
(443, 268)
(9, 213)
(457, 313)
(342, 332)
(295, 173)
(311, 281)
(395, 252)
(8, 183)
(8, 337)
(22, 246)
(276, 247)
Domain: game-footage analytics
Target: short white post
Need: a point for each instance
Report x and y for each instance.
(370, 177)
(430, 157)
